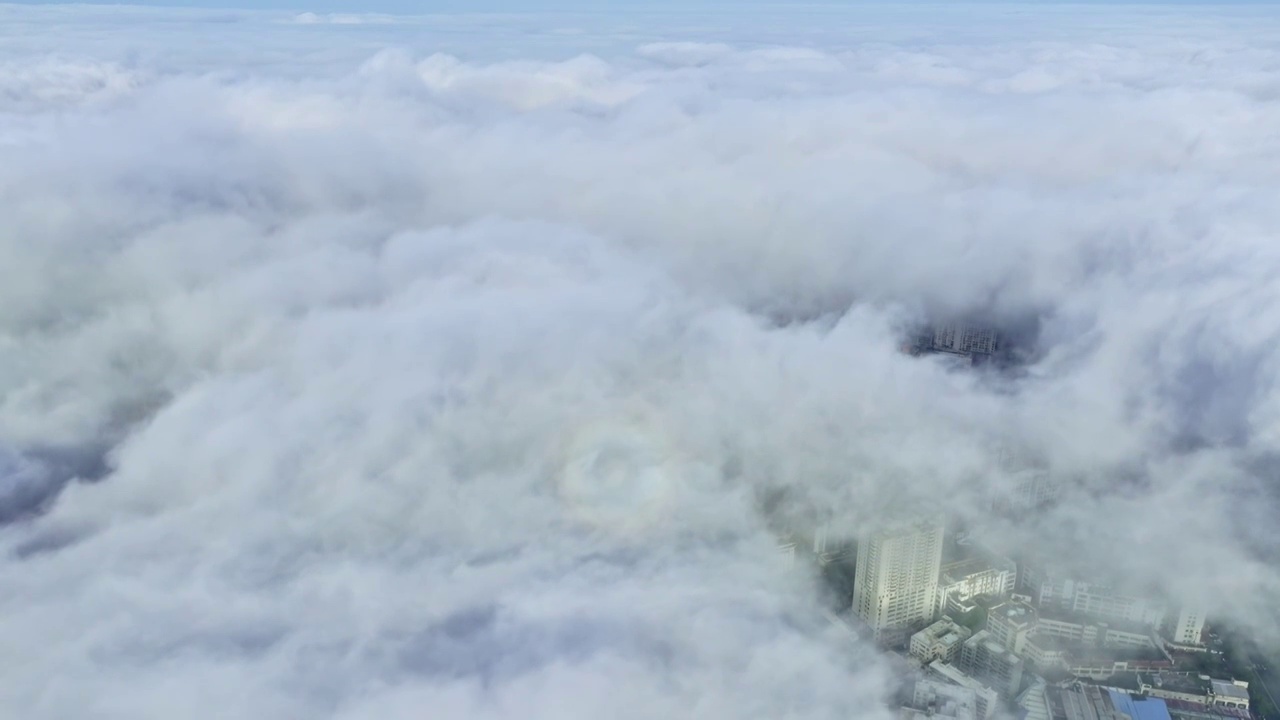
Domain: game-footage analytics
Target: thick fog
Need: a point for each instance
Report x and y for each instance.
(374, 367)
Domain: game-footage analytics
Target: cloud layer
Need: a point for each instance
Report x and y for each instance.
(352, 374)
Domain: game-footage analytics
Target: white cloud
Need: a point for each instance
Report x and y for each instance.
(341, 326)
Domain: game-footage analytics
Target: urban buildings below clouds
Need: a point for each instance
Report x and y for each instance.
(1088, 702)
(1050, 588)
(896, 578)
(1025, 482)
(1051, 640)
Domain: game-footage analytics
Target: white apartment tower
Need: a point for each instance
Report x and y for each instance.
(964, 339)
(1184, 625)
(895, 582)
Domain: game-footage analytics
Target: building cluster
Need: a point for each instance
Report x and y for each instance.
(1079, 701)
(1040, 640)
(985, 632)
(973, 342)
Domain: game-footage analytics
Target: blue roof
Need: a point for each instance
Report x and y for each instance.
(1144, 709)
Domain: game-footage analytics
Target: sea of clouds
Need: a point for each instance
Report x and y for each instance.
(376, 367)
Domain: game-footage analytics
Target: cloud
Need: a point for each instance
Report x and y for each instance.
(354, 378)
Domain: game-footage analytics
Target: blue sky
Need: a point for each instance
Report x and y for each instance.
(430, 6)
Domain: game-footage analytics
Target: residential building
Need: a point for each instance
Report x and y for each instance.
(970, 577)
(1076, 628)
(1184, 626)
(935, 698)
(940, 641)
(1046, 653)
(1010, 623)
(964, 339)
(896, 577)
(1052, 588)
(988, 698)
(983, 658)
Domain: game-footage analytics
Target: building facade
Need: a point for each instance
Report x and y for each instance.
(896, 578)
(964, 339)
(1184, 626)
(1011, 623)
(1049, 588)
(986, 660)
(988, 699)
(963, 580)
(936, 698)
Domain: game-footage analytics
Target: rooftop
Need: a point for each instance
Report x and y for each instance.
(1054, 614)
(1226, 688)
(1139, 708)
(959, 569)
(1187, 684)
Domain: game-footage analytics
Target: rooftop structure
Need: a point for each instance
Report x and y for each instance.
(1139, 708)
(1197, 697)
(933, 698)
(1011, 623)
(1082, 702)
(940, 641)
(1232, 693)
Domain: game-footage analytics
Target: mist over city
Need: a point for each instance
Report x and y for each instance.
(768, 361)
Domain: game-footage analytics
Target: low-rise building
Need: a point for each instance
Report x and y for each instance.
(940, 641)
(1074, 627)
(962, 580)
(988, 700)
(1011, 623)
(1103, 664)
(987, 660)
(1190, 688)
(1229, 693)
(937, 698)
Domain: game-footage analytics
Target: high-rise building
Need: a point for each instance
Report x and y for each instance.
(964, 339)
(1184, 625)
(896, 578)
